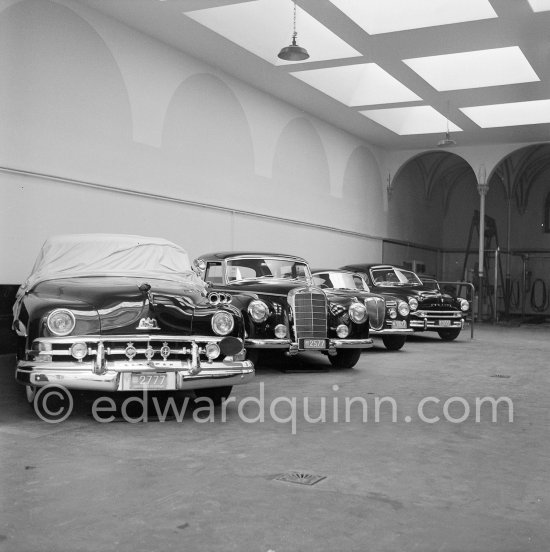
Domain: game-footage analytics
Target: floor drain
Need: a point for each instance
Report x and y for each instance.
(500, 376)
(300, 478)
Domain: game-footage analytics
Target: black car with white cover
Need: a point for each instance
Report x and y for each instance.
(388, 315)
(431, 309)
(284, 310)
(123, 313)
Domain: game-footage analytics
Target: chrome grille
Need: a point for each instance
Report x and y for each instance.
(310, 315)
(376, 308)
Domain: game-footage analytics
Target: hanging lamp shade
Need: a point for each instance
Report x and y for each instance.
(293, 52)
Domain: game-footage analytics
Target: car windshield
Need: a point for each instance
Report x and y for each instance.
(265, 267)
(391, 277)
(340, 280)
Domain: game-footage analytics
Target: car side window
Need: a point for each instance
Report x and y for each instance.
(214, 273)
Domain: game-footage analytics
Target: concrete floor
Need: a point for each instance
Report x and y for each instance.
(467, 487)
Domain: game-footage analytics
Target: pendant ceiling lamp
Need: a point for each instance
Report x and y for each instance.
(447, 141)
(293, 52)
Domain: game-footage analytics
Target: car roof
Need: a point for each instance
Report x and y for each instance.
(223, 255)
(340, 270)
(364, 267)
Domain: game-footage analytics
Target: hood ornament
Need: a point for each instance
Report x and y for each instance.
(148, 324)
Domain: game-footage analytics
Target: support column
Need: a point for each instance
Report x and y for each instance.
(482, 188)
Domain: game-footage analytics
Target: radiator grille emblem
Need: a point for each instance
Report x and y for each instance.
(165, 351)
(130, 351)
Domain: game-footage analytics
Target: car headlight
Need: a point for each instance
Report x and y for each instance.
(403, 308)
(258, 311)
(358, 312)
(392, 313)
(413, 304)
(61, 322)
(464, 305)
(222, 323)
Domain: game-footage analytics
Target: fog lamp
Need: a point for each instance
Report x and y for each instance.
(342, 331)
(280, 331)
(392, 313)
(79, 350)
(212, 351)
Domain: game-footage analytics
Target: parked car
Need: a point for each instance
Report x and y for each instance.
(431, 310)
(388, 316)
(284, 310)
(123, 313)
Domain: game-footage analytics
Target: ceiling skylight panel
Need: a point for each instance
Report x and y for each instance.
(481, 68)
(263, 27)
(363, 84)
(386, 16)
(540, 5)
(509, 114)
(421, 119)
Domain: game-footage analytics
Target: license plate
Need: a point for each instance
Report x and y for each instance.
(399, 324)
(444, 322)
(313, 344)
(149, 381)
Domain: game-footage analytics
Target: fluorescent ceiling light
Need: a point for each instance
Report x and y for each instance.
(263, 27)
(421, 119)
(363, 84)
(509, 114)
(540, 5)
(476, 69)
(386, 16)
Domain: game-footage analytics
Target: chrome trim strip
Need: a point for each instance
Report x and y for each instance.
(390, 331)
(130, 337)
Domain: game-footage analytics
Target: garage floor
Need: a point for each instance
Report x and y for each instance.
(81, 485)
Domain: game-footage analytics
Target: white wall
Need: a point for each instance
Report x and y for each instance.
(85, 99)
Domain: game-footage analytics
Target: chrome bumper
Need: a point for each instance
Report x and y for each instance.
(118, 374)
(433, 324)
(293, 346)
(391, 331)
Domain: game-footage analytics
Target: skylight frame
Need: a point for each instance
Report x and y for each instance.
(411, 120)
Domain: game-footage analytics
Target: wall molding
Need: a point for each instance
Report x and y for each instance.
(208, 206)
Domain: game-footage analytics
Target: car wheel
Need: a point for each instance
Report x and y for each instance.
(215, 394)
(394, 342)
(345, 358)
(449, 335)
(30, 393)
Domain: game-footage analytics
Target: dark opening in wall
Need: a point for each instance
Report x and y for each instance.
(546, 215)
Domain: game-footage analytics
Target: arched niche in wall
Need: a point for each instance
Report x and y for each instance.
(207, 135)
(421, 195)
(362, 192)
(300, 163)
(524, 178)
(62, 95)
